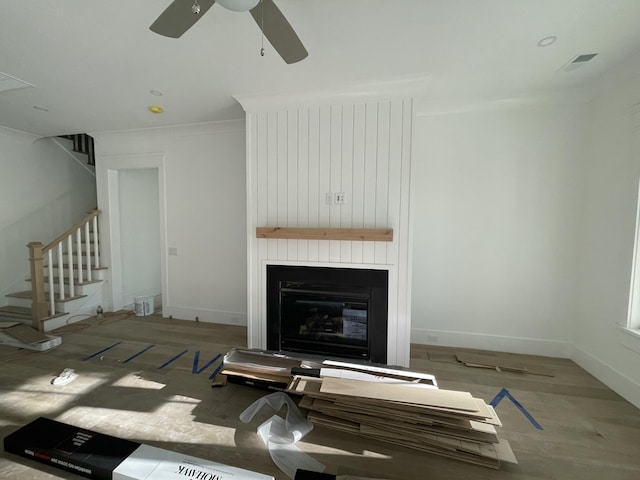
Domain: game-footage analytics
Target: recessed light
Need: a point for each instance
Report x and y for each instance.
(156, 109)
(41, 109)
(156, 93)
(546, 41)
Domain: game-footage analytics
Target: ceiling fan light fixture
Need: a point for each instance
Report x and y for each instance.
(238, 5)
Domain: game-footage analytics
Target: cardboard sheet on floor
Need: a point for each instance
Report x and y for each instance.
(500, 363)
(443, 357)
(19, 335)
(25, 334)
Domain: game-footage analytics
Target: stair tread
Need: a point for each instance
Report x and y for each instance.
(83, 253)
(66, 281)
(23, 313)
(27, 294)
(23, 294)
(69, 299)
(66, 265)
(15, 310)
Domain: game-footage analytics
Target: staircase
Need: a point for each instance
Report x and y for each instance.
(83, 143)
(66, 280)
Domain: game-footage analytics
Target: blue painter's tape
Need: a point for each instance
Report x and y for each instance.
(216, 371)
(496, 400)
(196, 359)
(505, 393)
(138, 354)
(172, 360)
(101, 351)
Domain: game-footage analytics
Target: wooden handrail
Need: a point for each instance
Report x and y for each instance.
(80, 224)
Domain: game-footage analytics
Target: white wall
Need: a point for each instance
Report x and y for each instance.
(204, 186)
(607, 237)
(43, 192)
(497, 192)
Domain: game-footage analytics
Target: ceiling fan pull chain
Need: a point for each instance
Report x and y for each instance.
(262, 27)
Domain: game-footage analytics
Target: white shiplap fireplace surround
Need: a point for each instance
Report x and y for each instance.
(301, 149)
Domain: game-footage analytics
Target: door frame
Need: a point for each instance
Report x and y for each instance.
(108, 188)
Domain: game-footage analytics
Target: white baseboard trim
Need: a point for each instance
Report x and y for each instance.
(208, 316)
(496, 343)
(617, 381)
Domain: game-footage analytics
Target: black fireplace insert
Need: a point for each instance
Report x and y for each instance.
(333, 312)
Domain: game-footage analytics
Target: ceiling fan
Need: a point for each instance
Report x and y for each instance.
(181, 15)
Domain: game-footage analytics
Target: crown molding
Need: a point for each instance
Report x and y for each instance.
(404, 87)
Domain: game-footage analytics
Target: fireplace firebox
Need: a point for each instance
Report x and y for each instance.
(332, 312)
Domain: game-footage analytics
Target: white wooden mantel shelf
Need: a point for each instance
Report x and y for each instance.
(353, 234)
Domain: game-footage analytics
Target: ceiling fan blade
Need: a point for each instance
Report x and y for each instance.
(279, 31)
(178, 17)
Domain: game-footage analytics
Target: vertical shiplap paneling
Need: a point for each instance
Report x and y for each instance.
(314, 179)
(357, 188)
(335, 169)
(382, 178)
(303, 180)
(260, 152)
(283, 180)
(395, 173)
(393, 187)
(272, 179)
(404, 239)
(325, 176)
(346, 181)
(369, 176)
(254, 330)
(292, 179)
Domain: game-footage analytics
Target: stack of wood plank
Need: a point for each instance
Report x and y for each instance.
(444, 422)
(258, 368)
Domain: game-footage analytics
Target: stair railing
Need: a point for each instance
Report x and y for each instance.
(76, 268)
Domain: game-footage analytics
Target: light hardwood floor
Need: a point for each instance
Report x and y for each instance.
(588, 432)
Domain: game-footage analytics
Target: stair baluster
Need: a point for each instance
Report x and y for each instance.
(96, 250)
(88, 243)
(72, 290)
(60, 275)
(52, 300)
(79, 252)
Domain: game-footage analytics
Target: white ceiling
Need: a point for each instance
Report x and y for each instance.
(93, 63)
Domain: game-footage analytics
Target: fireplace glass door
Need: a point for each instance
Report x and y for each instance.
(315, 318)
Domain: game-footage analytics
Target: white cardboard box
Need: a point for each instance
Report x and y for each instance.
(153, 463)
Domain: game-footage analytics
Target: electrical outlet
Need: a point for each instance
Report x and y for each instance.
(432, 339)
(340, 198)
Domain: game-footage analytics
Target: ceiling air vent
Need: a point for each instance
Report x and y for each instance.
(577, 62)
(7, 82)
